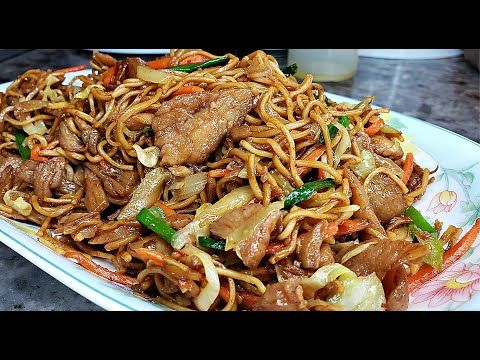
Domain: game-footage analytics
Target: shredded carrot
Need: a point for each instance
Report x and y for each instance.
(218, 173)
(161, 63)
(426, 272)
(193, 59)
(108, 75)
(313, 156)
(52, 144)
(146, 254)
(88, 264)
(331, 230)
(168, 211)
(224, 293)
(34, 154)
(71, 69)
(374, 128)
(321, 174)
(351, 226)
(187, 90)
(407, 168)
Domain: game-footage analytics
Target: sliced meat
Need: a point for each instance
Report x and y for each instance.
(283, 296)
(79, 225)
(67, 187)
(104, 59)
(13, 161)
(95, 197)
(122, 232)
(386, 255)
(229, 222)
(363, 141)
(240, 133)
(132, 64)
(386, 147)
(90, 138)
(311, 250)
(179, 221)
(360, 198)
(415, 180)
(9, 168)
(385, 197)
(138, 122)
(395, 285)
(118, 184)
(48, 175)
(189, 128)
(252, 249)
(69, 140)
(27, 171)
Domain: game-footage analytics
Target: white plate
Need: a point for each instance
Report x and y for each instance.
(411, 54)
(459, 174)
(134, 51)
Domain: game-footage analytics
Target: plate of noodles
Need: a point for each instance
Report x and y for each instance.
(205, 182)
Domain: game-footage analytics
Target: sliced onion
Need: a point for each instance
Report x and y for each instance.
(343, 145)
(19, 204)
(210, 292)
(86, 92)
(148, 157)
(146, 194)
(154, 76)
(193, 185)
(38, 127)
(366, 164)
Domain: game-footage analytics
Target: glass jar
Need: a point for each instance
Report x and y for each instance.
(324, 64)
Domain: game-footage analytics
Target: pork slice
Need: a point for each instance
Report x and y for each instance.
(385, 197)
(283, 296)
(95, 197)
(311, 250)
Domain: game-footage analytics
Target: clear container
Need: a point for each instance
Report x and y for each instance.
(324, 64)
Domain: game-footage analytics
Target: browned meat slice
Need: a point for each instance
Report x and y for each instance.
(415, 180)
(69, 140)
(9, 167)
(282, 296)
(395, 286)
(139, 121)
(79, 225)
(386, 255)
(104, 59)
(386, 147)
(67, 187)
(90, 137)
(240, 133)
(118, 184)
(250, 249)
(179, 221)
(189, 128)
(311, 250)
(48, 175)
(122, 232)
(132, 64)
(226, 224)
(363, 141)
(95, 198)
(360, 198)
(27, 171)
(385, 197)
(14, 161)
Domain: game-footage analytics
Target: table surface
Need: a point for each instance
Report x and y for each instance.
(445, 92)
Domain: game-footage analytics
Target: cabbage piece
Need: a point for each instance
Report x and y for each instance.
(366, 164)
(19, 204)
(86, 92)
(359, 293)
(250, 226)
(192, 185)
(38, 127)
(208, 213)
(148, 157)
(49, 93)
(154, 76)
(146, 194)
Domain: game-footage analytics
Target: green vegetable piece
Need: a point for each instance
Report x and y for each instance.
(435, 258)
(210, 243)
(419, 221)
(24, 151)
(306, 191)
(206, 64)
(290, 70)
(332, 130)
(152, 220)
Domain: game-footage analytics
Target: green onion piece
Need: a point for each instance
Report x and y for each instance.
(290, 70)
(20, 136)
(153, 219)
(419, 221)
(332, 130)
(210, 243)
(206, 64)
(306, 191)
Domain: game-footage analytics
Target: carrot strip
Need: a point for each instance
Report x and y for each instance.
(34, 154)
(331, 230)
(352, 225)
(71, 69)
(168, 211)
(374, 128)
(88, 264)
(187, 90)
(193, 59)
(161, 63)
(224, 293)
(108, 75)
(218, 173)
(407, 168)
(146, 254)
(426, 272)
(313, 156)
(321, 174)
